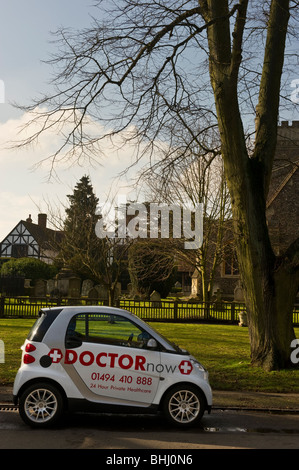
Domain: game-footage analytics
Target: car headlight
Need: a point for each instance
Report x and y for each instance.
(197, 365)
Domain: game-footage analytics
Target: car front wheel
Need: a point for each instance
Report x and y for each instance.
(41, 405)
(184, 405)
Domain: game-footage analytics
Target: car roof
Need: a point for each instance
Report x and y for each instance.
(73, 309)
(69, 311)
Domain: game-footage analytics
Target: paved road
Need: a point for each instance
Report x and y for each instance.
(220, 430)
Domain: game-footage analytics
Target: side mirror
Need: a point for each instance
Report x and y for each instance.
(152, 343)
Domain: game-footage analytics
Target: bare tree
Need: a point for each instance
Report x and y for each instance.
(190, 181)
(151, 266)
(155, 68)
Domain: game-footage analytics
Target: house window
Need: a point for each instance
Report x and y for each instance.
(19, 251)
(230, 265)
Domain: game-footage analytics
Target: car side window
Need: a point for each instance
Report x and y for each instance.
(105, 328)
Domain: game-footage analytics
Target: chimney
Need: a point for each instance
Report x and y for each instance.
(29, 219)
(42, 221)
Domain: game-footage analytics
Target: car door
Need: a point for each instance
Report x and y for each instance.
(110, 355)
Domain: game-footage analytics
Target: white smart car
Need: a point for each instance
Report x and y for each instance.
(106, 359)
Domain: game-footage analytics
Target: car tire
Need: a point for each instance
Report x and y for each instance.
(184, 405)
(41, 405)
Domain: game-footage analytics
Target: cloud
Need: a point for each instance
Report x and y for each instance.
(24, 178)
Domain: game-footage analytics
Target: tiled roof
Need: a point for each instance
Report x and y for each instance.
(43, 236)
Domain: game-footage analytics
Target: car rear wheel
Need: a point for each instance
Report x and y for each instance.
(184, 405)
(41, 405)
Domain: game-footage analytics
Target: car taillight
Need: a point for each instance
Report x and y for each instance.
(28, 359)
(30, 347)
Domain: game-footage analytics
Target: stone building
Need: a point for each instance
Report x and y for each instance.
(282, 209)
(283, 201)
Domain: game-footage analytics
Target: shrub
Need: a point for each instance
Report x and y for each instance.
(29, 268)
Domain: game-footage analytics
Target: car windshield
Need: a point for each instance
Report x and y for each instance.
(35, 327)
(171, 343)
(42, 324)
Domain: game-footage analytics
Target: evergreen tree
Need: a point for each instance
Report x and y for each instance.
(103, 260)
(80, 241)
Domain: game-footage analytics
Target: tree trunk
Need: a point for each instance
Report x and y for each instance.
(271, 330)
(270, 283)
(111, 295)
(270, 286)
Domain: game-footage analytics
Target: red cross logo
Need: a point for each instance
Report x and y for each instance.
(56, 355)
(185, 367)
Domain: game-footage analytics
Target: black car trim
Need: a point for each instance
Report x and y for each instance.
(37, 334)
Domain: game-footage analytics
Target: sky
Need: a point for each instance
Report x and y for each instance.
(25, 42)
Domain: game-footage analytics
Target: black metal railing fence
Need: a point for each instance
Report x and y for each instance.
(162, 311)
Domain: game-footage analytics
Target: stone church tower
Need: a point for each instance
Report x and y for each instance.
(283, 198)
(282, 209)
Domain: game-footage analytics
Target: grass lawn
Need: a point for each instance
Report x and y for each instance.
(223, 349)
